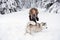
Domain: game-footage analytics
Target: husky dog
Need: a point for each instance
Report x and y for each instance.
(33, 27)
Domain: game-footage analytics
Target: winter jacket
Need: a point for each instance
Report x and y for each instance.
(33, 18)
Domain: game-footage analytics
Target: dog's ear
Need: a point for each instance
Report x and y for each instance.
(43, 24)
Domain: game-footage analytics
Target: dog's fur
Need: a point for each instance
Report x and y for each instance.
(35, 28)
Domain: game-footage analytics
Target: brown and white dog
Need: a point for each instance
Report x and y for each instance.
(33, 27)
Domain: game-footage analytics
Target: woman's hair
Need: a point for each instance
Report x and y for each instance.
(36, 10)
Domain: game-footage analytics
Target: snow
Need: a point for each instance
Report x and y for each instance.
(12, 26)
(9, 6)
(55, 8)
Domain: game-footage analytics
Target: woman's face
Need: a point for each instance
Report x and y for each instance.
(33, 12)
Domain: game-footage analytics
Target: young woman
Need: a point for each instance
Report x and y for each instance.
(33, 15)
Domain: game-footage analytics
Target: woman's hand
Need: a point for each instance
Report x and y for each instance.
(37, 18)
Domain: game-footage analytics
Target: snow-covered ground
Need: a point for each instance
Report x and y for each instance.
(12, 26)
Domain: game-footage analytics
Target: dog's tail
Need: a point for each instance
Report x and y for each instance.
(31, 22)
